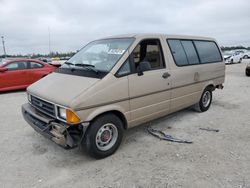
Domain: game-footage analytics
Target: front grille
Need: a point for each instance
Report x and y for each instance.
(43, 106)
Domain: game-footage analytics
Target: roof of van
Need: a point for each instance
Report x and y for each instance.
(140, 35)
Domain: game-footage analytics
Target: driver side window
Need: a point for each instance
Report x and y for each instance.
(125, 69)
(149, 51)
(16, 66)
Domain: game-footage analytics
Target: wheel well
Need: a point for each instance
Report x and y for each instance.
(118, 114)
(211, 86)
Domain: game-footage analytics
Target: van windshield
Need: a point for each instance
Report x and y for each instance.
(100, 55)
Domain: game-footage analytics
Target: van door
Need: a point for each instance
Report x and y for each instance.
(196, 63)
(186, 86)
(212, 65)
(149, 91)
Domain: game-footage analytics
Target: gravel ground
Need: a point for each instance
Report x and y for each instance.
(214, 159)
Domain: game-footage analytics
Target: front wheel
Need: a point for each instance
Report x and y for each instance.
(205, 101)
(104, 136)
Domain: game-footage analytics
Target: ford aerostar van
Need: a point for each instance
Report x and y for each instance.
(116, 83)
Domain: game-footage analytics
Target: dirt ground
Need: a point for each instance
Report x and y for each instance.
(221, 159)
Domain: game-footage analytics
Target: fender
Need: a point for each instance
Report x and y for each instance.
(104, 109)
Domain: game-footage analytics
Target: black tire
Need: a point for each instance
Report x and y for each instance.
(245, 57)
(200, 106)
(247, 73)
(89, 143)
(231, 61)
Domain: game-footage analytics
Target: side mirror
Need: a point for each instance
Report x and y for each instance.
(143, 66)
(3, 69)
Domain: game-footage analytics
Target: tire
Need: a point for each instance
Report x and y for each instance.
(240, 60)
(245, 57)
(203, 105)
(103, 136)
(247, 73)
(231, 61)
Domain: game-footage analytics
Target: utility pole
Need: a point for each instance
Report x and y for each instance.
(49, 42)
(4, 51)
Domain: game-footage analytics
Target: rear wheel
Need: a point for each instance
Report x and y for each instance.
(104, 136)
(205, 101)
(245, 57)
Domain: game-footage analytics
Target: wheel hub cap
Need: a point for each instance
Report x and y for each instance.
(206, 99)
(106, 137)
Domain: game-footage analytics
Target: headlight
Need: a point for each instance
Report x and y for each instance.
(62, 113)
(68, 115)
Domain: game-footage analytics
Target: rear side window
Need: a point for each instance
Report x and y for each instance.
(190, 52)
(34, 65)
(178, 52)
(208, 51)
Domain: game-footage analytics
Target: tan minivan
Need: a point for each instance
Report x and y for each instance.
(116, 83)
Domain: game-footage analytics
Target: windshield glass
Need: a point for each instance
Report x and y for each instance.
(100, 55)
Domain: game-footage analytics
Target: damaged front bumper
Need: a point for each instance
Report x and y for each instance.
(67, 136)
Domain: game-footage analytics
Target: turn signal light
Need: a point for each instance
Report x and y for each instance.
(72, 118)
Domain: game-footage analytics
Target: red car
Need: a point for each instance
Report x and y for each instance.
(20, 73)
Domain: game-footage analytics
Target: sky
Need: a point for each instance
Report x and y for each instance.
(26, 24)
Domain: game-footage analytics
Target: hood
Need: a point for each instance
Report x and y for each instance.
(226, 56)
(61, 88)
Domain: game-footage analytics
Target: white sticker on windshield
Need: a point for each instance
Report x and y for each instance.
(116, 51)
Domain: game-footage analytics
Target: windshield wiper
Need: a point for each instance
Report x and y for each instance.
(79, 64)
(84, 65)
(68, 63)
(88, 67)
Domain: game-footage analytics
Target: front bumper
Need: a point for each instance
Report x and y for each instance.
(227, 61)
(67, 136)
